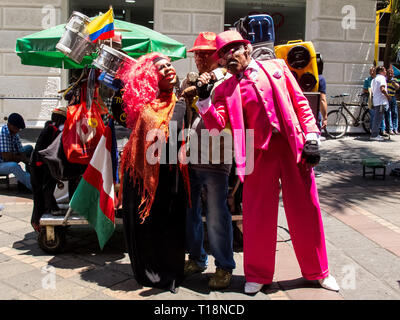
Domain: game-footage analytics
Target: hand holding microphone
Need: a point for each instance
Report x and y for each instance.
(204, 85)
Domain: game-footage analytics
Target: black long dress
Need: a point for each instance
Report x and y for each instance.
(156, 247)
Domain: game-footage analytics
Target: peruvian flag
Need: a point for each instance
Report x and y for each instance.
(94, 197)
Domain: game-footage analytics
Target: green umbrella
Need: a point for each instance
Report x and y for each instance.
(39, 49)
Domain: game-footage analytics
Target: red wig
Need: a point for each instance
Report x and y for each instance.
(140, 84)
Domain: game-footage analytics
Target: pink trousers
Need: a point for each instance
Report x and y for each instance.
(260, 214)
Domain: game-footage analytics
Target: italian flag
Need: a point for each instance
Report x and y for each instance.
(94, 197)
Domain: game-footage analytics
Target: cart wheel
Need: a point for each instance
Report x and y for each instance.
(52, 246)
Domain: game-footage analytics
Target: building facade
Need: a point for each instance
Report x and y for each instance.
(343, 31)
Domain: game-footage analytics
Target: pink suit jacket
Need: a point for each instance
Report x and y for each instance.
(297, 115)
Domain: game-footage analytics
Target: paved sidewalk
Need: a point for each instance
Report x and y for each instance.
(362, 226)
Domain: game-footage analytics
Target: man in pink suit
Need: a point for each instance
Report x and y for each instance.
(265, 98)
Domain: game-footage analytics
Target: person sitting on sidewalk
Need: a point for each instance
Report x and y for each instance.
(12, 152)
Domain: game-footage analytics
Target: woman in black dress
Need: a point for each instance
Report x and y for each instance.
(153, 191)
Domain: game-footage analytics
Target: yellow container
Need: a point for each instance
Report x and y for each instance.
(301, 59)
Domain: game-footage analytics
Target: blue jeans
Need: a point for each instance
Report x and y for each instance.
(218, 217)
(393, 114)
(16, 170)
(382, 126)
(379, 112)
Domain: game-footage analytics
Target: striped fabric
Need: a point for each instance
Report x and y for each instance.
(390, 87)
(8, 142)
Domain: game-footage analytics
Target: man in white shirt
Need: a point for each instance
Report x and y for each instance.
(380, 101)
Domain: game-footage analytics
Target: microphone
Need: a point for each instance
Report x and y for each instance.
(199, 84)
(216, 75)
(192, 77)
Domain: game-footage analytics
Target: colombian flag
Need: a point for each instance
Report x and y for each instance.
(101, 27)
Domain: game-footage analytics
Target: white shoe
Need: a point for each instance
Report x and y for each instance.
(329, 283)
(252, 287)
(377, 138)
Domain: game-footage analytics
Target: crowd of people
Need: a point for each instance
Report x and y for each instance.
(267, 136)
(380, 88)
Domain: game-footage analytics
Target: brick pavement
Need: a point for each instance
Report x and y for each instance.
(362, 227)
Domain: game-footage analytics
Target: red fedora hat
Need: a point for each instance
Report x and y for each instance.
(227, 37)
(204, 41)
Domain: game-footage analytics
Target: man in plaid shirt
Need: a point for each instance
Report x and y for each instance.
(12, 152)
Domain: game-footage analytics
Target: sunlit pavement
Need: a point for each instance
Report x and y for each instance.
(362, 228)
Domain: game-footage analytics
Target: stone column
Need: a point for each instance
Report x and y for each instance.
(343, 31)
(19, 18)
(183, 20)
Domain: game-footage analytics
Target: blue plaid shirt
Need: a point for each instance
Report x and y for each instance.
(8, 142)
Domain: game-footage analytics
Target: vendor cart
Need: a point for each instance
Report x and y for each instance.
(40, 49)
(52, 235)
